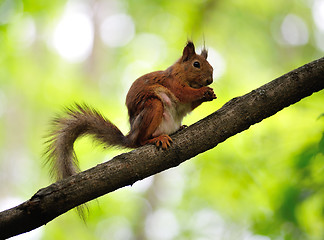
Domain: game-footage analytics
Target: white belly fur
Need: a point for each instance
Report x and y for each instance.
(172, 115)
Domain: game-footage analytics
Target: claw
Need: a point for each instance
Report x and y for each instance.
(162, 141)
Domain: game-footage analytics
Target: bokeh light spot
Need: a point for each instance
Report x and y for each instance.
(161, 225)
(294, 30)
(117, 30)
(318, 14)
(73, 35)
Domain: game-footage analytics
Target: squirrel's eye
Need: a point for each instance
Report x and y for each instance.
(196, 64)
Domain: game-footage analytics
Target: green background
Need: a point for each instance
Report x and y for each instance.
(265, 183)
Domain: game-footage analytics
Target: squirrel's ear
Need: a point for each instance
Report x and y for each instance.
(188, 51)
(204, 53)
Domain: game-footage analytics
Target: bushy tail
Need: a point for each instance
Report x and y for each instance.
(79, 121)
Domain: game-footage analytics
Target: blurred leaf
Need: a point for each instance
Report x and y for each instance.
(321, 144)
(305, 157)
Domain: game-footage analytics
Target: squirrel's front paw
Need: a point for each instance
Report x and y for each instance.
(209, 94)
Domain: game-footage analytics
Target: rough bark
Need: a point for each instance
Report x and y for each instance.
(235, 116)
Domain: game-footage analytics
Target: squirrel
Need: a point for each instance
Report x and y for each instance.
(156, 102)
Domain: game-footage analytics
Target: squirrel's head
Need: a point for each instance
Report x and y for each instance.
(197, 70)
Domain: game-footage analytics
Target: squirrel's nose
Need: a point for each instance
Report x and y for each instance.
(209, 81)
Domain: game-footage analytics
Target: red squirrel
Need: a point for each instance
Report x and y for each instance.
(156, 102)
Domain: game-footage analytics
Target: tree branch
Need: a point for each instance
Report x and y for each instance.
(235, 116)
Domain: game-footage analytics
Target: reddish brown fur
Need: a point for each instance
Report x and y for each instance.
(182, 80)
(156, 104)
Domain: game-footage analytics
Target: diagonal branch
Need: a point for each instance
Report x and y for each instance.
(235, 116)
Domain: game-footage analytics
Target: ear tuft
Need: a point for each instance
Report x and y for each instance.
(188, 51)
(204, 53)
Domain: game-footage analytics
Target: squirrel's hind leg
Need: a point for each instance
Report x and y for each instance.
(152, 116)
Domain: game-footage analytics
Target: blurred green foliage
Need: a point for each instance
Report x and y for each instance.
(265, 183)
